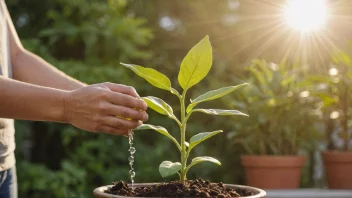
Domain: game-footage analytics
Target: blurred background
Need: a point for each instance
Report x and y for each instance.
(294, 98)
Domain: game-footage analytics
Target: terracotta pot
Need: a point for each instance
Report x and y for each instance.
(338, 168)
(99, 192)
(273, 172)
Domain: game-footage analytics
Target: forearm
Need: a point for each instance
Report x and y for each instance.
(24, 101)
(30, 68)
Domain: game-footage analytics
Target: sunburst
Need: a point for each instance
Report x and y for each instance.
(306, 16)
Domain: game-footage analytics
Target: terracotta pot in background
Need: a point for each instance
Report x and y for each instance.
(273, 172)
(338, 168)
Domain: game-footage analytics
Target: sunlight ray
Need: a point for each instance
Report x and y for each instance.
(273, 29)
(274, 37)
(315, 43)
(239, 33)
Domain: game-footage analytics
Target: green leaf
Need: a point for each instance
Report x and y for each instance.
(196, 64)
(151, 75)
(168, 168)
(219, 112)
(159, 105)
(214, 94)
(198, 160)
(200, 137)
(159, 129)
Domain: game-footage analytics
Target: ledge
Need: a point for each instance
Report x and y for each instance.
(309, 193)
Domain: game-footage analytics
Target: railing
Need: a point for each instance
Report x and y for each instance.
(309, 193)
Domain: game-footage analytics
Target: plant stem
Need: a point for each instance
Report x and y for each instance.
(183, 138)
(188, 150)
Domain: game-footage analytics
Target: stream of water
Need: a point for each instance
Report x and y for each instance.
(132, 150)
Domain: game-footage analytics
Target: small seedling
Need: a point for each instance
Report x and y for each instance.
(194, 67)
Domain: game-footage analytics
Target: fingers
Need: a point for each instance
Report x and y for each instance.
(125, 112)
(127, 101)
(122, 89)
(125, 96)
(112, 130)
(119, 123)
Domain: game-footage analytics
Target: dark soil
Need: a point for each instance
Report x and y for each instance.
(196, 188)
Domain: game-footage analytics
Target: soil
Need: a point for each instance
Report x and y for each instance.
(192, 188)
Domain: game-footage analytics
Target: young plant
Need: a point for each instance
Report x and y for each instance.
(194, 67)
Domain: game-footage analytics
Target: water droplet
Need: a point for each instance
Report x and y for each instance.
(132, 150)
(131, 159)
(131, 164)
(132, 173)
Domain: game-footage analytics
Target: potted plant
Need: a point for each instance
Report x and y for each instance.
(280, 126)
(336, 95)
(194, 67)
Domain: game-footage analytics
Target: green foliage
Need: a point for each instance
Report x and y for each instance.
(194, 67)
(198, 160)
(103, 29)
(212, 95)
(168, 168)
(159, 106)
(161, 130)
(152, 76)
(219, 112)
(333, 87)
(39, 180)
(200, 137)
(283, 113)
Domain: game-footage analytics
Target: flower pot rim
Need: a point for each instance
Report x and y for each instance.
(267, 161)
(337, 152)
(337, 157)
(99, 191)
(274, 156)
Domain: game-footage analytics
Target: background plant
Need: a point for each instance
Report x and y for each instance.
(194, 67)
(284, 115)
(333, 87)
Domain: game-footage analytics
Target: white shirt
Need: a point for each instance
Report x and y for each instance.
(4, 49)
(7, 130)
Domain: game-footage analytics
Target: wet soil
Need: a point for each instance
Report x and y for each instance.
(192, 188)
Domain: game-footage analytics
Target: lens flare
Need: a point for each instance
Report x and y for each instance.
(306, 15)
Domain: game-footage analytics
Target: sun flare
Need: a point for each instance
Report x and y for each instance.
(306, 15)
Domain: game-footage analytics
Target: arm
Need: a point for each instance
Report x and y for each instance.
(91, 108)
(30, 102)
(30, 68)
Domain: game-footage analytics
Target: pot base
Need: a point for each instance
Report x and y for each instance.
(338, 167)
(273, 172)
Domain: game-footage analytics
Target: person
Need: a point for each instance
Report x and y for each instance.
(32, 89)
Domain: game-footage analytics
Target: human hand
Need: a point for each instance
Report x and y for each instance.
(102, 107)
